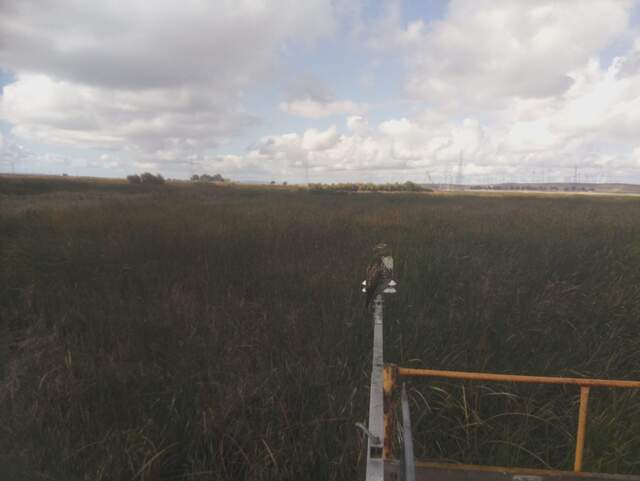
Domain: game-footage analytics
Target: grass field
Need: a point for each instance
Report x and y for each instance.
(191, 332)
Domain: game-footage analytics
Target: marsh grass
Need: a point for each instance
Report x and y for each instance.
(201, 332)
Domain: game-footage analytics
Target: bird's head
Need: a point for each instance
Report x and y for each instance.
(381, 249)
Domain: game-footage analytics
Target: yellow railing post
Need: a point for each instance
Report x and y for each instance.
(389, 383)
(582, 427)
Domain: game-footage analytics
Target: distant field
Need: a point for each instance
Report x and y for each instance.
(191, 332)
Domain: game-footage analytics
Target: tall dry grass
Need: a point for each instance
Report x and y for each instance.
(200, 332)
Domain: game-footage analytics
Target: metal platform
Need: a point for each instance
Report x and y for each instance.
(394, 470)
(388, 395)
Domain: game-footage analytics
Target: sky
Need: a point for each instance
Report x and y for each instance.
(471, 91)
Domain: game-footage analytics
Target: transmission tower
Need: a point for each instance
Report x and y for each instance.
(447, 175)
(460, 173)
(428, 177)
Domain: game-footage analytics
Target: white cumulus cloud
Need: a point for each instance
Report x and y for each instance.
(160, 80)
(486, 52)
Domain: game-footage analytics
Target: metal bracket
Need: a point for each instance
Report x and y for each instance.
(390, 288)
(374, 439)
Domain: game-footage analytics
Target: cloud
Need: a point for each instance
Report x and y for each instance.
(513, 91)
(510, 87)
(485, 53)
(180, 119)
(395, 144)
(158, 80)
(154, 45)
(14, 157)
(358, 124)
(11, 153)
(308, 97)
(505, 88)
(591, 126)
(387, 32)
(313, 109)
(314, 140)
(308, 86)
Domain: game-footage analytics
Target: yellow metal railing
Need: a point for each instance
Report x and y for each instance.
(392, 372)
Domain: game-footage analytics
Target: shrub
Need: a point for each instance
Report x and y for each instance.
(134, 179)
(148, 178)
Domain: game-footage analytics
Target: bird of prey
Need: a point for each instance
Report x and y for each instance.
(379, 272)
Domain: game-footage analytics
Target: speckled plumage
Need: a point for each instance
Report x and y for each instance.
(379, 271)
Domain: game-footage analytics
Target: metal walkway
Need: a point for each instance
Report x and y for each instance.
(382, 464)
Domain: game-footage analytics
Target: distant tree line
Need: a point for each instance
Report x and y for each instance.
(207, 178)
(146, 178)
(369, 187)
(151, 179)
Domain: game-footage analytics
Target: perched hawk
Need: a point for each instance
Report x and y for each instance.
(379, 272)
